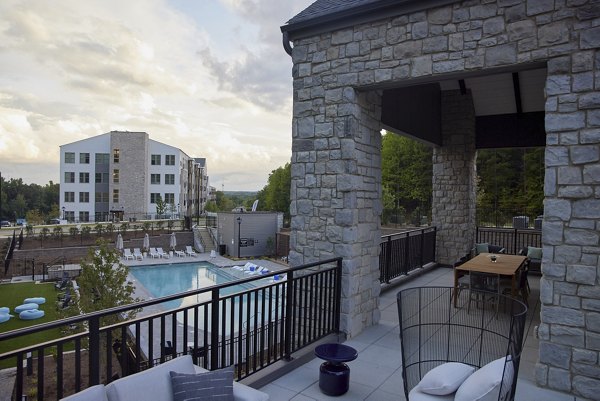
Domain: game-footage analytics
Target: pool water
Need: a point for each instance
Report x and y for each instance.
(164, 280)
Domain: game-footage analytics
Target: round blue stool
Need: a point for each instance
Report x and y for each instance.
(334, 374)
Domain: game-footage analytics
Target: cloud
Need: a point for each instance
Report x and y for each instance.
(84, 68)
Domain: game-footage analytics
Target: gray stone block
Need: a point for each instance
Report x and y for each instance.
(587, 208)
(586, 386)
(581, 274)
(535, 7)
(558, 208)
(569, 176)
(575, 192)
(441, 15)
(559, 379)
(564, 121)
(590, 38)
(555, 355)
(553, 34)
(435, 44)
(591, 174)
(585, 356)
(562, 316)
(574, 337)
(493, 26)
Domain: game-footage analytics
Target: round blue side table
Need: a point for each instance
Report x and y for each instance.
(334, 374)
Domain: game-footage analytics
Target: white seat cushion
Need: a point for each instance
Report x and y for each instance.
(445, 378)
(417, 395)
(94, 393)
(485, 383)
(150, 384)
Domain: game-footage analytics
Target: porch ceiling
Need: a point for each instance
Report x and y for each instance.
(509, 108)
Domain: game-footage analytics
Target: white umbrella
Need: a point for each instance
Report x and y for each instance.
(173, 242)
(146, 243)
(119, 243)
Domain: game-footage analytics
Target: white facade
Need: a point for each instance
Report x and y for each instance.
(121, 175)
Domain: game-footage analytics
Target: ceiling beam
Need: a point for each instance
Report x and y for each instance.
(463, 87)
(517, 89)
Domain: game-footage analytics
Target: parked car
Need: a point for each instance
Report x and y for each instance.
(54, 221)
(21, 222)
(5, 223)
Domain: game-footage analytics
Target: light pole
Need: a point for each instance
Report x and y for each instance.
(63, 214)
(239, 220)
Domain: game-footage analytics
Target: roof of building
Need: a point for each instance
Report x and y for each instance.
(329, 15)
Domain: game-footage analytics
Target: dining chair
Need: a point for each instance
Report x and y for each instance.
(522, 284)
(463, 276)
(484, 287)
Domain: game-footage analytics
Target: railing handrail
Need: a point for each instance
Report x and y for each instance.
(124, 308)
(407, 232)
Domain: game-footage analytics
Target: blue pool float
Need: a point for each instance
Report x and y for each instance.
(31, 314)
(35, 300)
(5, 309)
(25, 307)
(4, 317)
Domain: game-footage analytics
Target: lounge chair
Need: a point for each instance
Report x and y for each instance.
(127, 254)
(257, 270)
(189, 251)
(137, 254)
(180, 253)
(162, 253)
(63, 283)
(246, 267)
(154, 253)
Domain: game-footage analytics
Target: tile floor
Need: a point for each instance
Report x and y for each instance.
(376, 373)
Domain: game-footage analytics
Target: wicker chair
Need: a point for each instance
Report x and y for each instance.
(433, 332)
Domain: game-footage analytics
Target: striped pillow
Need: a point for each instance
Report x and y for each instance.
(215, 385)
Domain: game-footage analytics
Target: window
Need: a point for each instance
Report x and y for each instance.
(69, 196)
(84, 158)
(70, 216)
(84, 197)
(169, 160)
(154, 178)
(101, 158)
(170, 179)
(155, 160)
(69, 177)
(101, 178)
(170, 198)
(115, 196)
(69, 157)
(154, 197)
(84, 216)
(84, 178)
(116, 176)
(116, 155)
(101, 197)
(101, 216)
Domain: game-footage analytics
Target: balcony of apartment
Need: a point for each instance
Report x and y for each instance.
(267, 330)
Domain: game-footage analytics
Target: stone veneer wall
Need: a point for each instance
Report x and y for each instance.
(336, 192)
(454, 187)
(133, 172)
(468, 36)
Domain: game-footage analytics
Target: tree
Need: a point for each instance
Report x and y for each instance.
(406, 170)
(161, 206)
(103, 282)
(275, 196)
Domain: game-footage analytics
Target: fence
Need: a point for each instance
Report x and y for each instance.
(511, 239)
(251, 330)
(509, 218)
(403, 252)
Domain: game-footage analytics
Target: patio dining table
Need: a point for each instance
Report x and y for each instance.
(504, 265)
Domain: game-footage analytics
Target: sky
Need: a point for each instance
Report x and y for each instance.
(207, 76)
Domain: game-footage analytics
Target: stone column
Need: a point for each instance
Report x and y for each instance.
(336, 192)
(454, 185)
(569, 289)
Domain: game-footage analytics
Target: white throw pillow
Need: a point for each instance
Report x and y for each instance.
(417, 395)
(485, 383)
(445, 378)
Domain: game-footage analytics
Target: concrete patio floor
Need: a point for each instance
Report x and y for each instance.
(376, 374)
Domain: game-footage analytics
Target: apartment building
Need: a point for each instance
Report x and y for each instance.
(127, 176)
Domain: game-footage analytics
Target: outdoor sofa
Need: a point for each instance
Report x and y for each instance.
(155, 385)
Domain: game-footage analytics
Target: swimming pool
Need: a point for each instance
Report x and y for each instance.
(169, 279)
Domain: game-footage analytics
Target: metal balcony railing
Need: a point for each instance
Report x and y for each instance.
(249, 329)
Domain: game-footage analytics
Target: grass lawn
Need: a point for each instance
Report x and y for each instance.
(12, 295)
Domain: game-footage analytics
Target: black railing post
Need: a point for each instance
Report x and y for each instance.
(214, 330)
(338, 295)
(289, 301)
(94, 326)
(422, 261)
(407, 254)
(515, 243)
(388, 260)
